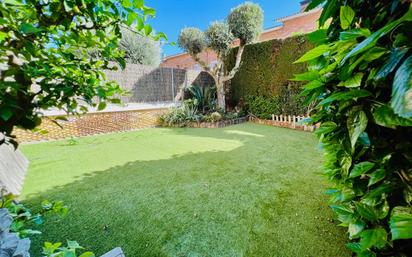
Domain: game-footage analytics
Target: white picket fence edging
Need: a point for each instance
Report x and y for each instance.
(286, 121)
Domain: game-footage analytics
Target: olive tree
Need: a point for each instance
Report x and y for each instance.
(140, 49)
(244, 23)
(44, 46)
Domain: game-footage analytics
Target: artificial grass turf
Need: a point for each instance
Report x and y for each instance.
(245, 190)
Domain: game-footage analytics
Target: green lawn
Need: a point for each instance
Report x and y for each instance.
(245, 190)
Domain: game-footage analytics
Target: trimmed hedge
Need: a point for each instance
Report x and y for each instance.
(266, 67)
(288, 102)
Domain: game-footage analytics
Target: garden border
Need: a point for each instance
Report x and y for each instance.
(218, 124)
(284, 123)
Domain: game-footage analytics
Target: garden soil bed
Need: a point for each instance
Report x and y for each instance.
(218, 124)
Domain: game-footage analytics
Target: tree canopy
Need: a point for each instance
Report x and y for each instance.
(40, 42)
(140, 49)
(243, 23)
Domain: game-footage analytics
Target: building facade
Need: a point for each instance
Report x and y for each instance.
(299, 23)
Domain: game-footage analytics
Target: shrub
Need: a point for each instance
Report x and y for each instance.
(360, 77)
(204, 97)
(213, 117)
(180, 116)
(288, 102)
(263, 107)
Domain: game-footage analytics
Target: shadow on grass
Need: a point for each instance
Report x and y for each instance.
(260, 199)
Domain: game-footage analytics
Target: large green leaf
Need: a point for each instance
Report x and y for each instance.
(401, 222)
(87, 254)
(346, 16)
(326, 127)
(354, 34)
(344, 212)
(356, 228)
(354, 81)
(343, 96)
(373, 237)
(306, 76)
(395, 57)
(386, 117)
(318, 36)
(356, 123)
(401, 101)
(28, 28)
(314, 53)
(372, 39)
(331, 7)
(366, 211)
(361, 168)
(376, 176)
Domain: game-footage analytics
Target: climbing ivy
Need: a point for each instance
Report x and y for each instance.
(266, 68)
(360, 77)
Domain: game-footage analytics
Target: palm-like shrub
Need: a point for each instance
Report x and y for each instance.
(204, 97)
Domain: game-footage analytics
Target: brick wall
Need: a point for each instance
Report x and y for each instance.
(90, 124)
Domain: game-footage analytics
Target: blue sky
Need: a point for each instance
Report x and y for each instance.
(173, 15)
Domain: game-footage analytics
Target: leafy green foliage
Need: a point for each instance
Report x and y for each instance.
(359, 77)
(219, 37)
(180, 116)
(44, 46)
(267, 68)
(204, 97)
(57, 250)
(288, 102)
(139, 49)
(24, 219)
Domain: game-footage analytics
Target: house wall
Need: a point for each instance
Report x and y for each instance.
(185, 61)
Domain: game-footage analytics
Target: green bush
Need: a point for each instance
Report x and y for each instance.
(266, 68)
(360, 77)
(213, 117)
(262, 106)
(288, 102)
(180, 116)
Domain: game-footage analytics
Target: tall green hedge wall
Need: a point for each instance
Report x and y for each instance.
(267, 67)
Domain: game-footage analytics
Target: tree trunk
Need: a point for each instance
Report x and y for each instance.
(221, 100)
